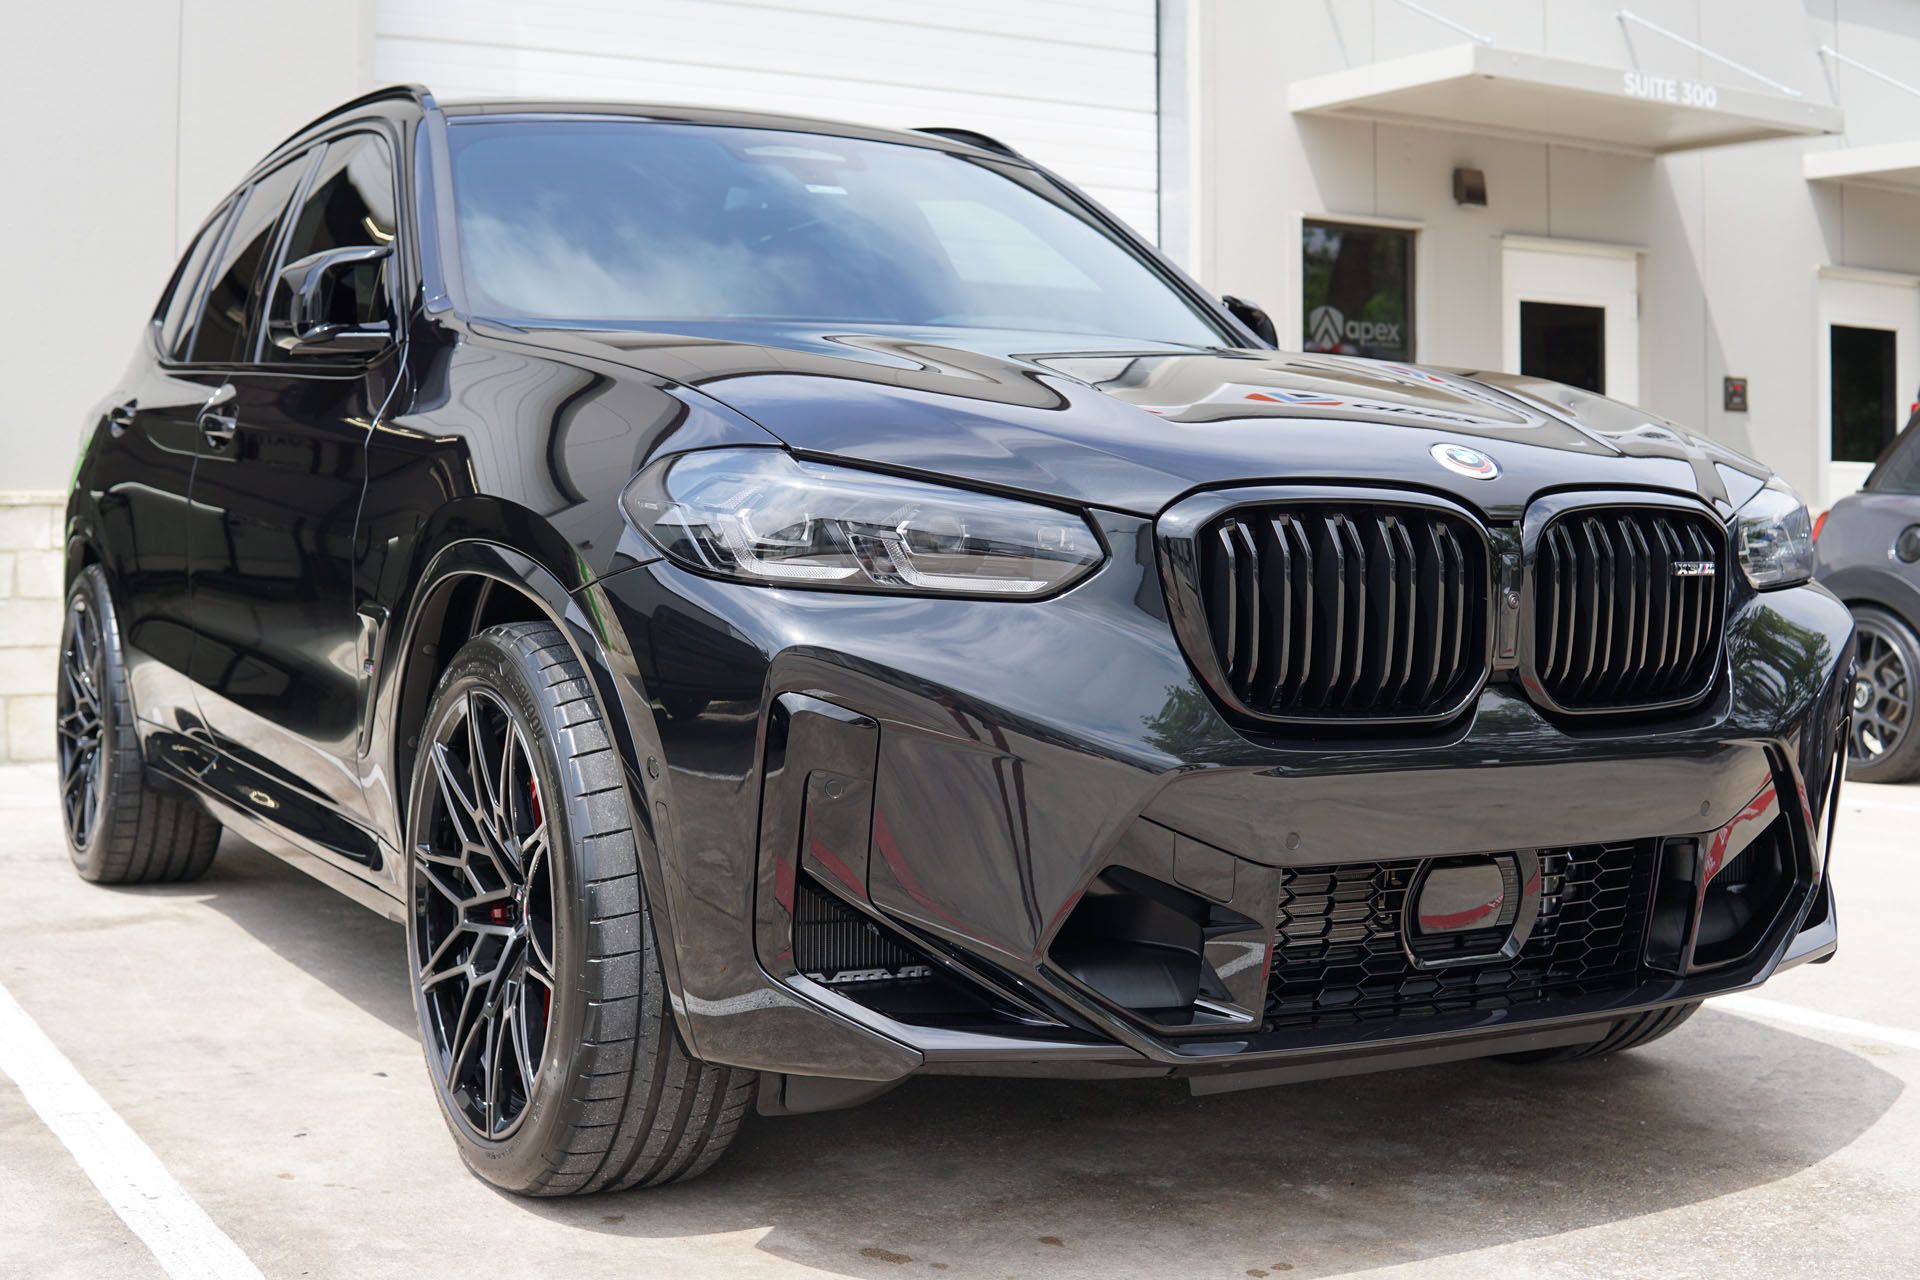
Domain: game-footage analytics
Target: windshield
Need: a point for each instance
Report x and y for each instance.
(610, 221)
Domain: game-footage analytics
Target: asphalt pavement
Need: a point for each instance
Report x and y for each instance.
(253, 1033)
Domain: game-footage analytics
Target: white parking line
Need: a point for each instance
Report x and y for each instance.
(1794, 1015)
(129, 1176)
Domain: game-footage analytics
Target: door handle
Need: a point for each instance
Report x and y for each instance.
(217, 424)
(217, 429)
(120, 417)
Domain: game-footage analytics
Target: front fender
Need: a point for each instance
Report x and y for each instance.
(458, 578)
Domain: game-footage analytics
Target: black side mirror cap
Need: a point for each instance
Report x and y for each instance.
(1250, 315)
(300, 321)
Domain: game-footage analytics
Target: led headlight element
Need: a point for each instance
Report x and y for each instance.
(1774, 536)
(762, 515)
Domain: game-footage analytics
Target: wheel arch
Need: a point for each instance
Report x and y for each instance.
(1879, 588)
(80, 553)
(82, 541)
(477, 583)
(467, 587)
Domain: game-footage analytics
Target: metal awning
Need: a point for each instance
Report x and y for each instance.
(1475, 88)
(1893, 166)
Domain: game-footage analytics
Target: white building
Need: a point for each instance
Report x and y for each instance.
(1703, 206)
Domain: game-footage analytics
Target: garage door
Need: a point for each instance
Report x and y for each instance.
(1069, 82)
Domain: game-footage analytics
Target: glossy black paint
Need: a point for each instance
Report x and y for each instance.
(290, 592)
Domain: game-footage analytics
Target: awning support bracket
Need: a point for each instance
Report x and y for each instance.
(1445, 21)
(1828, 51)
(1627, 15)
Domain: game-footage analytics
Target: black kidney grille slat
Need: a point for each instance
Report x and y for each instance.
(1429, 575)
(1408, 604)
(1617, 626)
(1346, 611)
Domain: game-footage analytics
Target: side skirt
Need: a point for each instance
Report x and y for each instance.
(311, 857)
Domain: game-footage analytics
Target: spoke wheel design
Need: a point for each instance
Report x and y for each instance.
(80, 724)
(1882, 695)
(483, 917)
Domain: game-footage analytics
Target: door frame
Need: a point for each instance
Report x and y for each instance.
(1622, 306)
(1846, 298)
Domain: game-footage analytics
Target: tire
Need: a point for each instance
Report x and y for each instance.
(120, 828)
(543, 1007)
(1628, 1033)
(1883, 744)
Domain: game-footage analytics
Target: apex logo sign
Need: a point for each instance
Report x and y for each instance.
(1329, 330)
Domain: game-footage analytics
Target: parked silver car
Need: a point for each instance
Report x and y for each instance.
(1868, 553)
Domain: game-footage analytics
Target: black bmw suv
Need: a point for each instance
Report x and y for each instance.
(776, 607)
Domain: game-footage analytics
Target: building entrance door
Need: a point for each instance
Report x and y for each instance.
(1571, 312)
(1869, 367)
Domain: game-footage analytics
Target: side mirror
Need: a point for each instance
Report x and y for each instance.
(1253, 317)
(332, 302)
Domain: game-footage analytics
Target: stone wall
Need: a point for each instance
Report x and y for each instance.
(30, 598)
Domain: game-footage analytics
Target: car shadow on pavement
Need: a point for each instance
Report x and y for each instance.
(357, 952)
(966, 1176)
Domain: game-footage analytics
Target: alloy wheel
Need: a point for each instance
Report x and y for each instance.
(1882, 695)
(79, 723)
(483, 917)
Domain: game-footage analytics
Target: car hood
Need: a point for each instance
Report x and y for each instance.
(1133, 429)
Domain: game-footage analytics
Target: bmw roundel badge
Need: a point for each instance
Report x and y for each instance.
(1462, 461)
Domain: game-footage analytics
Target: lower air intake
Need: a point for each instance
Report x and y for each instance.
(836, 945)
(1340, 954)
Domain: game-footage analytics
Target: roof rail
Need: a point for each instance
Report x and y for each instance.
(973, 138)
(416, 93)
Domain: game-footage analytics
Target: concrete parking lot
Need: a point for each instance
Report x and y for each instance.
(254, 1031)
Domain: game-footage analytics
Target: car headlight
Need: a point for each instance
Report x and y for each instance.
(762, 515)
(1775, 537)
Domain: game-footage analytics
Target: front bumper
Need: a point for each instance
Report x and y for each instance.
(964, 773)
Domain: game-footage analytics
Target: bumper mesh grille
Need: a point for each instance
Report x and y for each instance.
(1339, 954)
(1627, 605)
(1347, 611)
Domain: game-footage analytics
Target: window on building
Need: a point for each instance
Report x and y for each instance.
(1357, 290)
(221, 334)
(1564, 343)
(1865, 404)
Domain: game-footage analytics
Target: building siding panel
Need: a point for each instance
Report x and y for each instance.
(1072, 84)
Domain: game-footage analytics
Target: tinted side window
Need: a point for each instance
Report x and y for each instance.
(1901, 471)
(177, 308)
(222, 331)
(350, 204)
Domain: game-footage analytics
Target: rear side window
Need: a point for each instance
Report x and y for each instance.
(177, 308)
(350, 204)
(222, 332)
(1900, 473)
